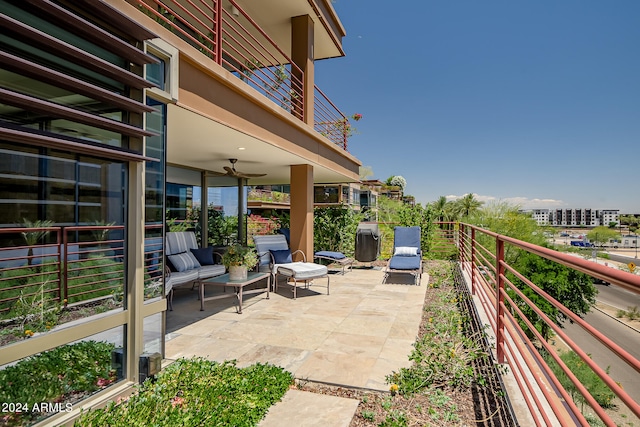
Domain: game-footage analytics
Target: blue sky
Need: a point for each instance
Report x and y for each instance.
(534, 102)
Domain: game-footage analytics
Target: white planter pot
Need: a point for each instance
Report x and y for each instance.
(237, 272)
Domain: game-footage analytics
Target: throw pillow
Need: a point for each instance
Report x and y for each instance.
(281, 257)
(405, 251)
(204, 255)
(184, 261)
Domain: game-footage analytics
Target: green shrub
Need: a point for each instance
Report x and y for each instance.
(444, 354)
(97, 276)
(592, 382)
(55, 376)
(29, 281)
(197, 392)
(335, 229)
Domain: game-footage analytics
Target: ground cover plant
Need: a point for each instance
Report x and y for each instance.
(62, 375)
(452, 380)
(197, 392)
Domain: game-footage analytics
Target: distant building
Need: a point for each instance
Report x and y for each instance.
(541, 216)
(575, 217)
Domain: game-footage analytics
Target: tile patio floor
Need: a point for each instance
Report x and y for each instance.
(353, 337)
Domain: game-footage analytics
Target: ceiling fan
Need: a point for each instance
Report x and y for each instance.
(232, 172)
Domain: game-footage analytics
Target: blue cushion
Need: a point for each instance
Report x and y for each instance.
(204, 255)
(184, 261)
(404, 263)
(329, 254)
(281, 257)
(286, 233)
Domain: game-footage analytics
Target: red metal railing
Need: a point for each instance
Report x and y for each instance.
(153, 261)
(72, 265)
(29, 272)
(92, 262)
(233, 39)
(329, 121)
(492, 281)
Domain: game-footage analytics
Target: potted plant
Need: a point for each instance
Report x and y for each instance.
(238, 260)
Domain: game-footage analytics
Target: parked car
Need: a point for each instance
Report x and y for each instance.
(597, 281)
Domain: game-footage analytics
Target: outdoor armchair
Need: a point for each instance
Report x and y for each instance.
(276, 258)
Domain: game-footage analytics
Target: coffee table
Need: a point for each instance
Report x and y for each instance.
(238, 285)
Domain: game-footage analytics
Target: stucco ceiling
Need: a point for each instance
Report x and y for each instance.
(274, 17)
(200, 143)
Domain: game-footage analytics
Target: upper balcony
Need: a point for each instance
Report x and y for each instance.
(258, 42)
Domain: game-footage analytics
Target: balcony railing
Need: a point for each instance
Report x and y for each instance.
(258, 195)
(234, 40)
(482, 258)
(71, 265)
(329, 121)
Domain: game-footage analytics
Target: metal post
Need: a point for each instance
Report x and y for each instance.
(242, 235)
(473, 262)
(499, 299)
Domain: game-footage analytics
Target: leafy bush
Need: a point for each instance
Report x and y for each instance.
(95, 277)
(592, 382)
(335, 229)
(28, 282)
(196, 392)
(55, 376)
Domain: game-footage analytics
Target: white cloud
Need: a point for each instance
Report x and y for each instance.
(521, 201)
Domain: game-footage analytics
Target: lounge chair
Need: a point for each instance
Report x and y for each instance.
(337, 258)
(407, 255)
(277, 259)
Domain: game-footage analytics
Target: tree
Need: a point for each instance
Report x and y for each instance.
(439, 208)
(467, 205)
(365, 172)
(575, 290)
(601, 235)
(397, 181)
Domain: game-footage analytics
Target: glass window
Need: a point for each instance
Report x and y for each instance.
(325, 194)
(44, 184)
(90, 365)
(156, 73)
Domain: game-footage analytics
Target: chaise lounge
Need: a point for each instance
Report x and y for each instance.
(407, 255)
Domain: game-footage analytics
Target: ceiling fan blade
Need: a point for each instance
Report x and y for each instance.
(251, 175)
(232, 172)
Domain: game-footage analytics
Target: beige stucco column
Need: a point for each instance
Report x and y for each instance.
(302, 55)
(135, 269)
(302, 209)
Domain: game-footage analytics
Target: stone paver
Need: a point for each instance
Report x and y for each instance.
(304, 409)
(354, 337)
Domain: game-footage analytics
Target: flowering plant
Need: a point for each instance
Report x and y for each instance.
(239, 255)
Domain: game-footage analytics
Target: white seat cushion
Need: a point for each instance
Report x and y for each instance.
(179, 278)
(207, 271)
(301, 270)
